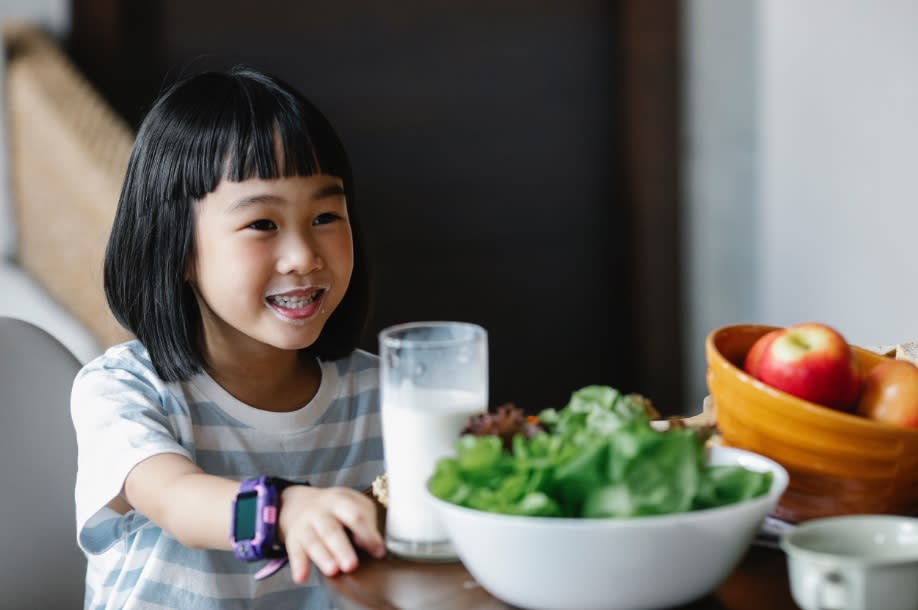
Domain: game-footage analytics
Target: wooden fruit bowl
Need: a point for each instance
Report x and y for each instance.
(839, 463)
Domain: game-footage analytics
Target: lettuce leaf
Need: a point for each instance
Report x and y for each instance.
(598, 458)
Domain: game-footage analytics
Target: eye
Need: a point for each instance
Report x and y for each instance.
(324, 219)
(263, 224)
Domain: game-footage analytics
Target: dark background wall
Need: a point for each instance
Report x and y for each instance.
(515, 162)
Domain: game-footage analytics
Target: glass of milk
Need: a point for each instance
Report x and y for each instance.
(433, 378)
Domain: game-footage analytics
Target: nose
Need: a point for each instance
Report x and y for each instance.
(298, 255)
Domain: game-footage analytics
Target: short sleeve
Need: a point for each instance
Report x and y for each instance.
(122, 416)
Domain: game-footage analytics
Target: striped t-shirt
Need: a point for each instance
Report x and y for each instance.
(124, 413)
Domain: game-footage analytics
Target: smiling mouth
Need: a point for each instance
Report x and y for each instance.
(298, 306)
(295, 302)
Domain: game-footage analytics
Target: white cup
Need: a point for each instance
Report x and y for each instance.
(862, 562)
(433, 378)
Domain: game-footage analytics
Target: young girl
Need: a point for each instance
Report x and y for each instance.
(234, 260)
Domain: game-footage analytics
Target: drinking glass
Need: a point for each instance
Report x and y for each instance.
(433, 377)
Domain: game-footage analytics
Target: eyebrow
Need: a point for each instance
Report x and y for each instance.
(331, 190)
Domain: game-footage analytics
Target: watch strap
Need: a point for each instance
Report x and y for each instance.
(271, 567)
(265, 544)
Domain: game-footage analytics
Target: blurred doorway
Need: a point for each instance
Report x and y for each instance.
(515, 162)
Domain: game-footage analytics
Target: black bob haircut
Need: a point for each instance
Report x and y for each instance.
(201, 130)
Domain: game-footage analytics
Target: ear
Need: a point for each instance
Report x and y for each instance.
(190, 274)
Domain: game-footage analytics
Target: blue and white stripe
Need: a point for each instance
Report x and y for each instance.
(123, 413)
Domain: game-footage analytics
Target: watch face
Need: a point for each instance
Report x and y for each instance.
(244, 522)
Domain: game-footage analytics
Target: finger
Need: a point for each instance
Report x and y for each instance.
(367, 536)
(334, 538)
(372, 543)
(357, 513)
(299, 563)
(318, 551)
(360, 519)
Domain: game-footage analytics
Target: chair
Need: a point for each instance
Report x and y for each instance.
(41, 565)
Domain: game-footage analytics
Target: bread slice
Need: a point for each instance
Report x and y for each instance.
(907, 351)
(884, 350)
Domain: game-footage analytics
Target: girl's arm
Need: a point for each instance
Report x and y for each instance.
(195, 508)
(175, 494)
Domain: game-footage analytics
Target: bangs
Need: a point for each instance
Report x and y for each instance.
(207, 128)
(250, 129)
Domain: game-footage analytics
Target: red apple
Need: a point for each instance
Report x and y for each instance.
(811, 361)
(751, 364)
(891, 394)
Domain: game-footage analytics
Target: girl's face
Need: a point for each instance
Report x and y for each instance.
(272, 261)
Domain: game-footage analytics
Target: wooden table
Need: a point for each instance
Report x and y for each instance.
(759, 583)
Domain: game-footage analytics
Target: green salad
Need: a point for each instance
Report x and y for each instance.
(597, 457)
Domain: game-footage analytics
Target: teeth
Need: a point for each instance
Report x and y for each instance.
(295, 302)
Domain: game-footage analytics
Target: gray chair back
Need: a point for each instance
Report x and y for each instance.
(41, 565)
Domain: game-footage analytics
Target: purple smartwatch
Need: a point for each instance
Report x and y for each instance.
(255, 512)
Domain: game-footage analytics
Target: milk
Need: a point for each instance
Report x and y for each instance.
(419, 426)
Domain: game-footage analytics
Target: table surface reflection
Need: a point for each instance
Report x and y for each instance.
(759, 582)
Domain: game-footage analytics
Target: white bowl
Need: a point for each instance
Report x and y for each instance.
(634, 563)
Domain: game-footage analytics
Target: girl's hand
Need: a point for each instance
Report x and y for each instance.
(314, 525)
